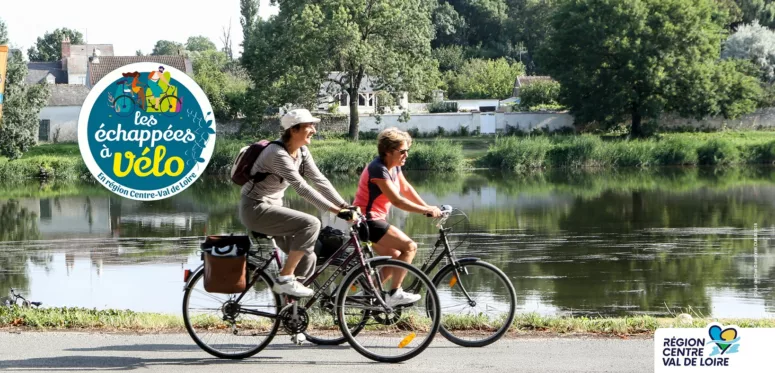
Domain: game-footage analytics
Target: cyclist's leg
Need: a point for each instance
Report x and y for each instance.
(395, 241)
(305, 266)
(298, 230)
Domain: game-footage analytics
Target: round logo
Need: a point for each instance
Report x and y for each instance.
(146, 131)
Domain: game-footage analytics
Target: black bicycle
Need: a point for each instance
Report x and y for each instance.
(242, 324)
(478, 301)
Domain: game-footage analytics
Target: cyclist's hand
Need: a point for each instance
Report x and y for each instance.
(432, 212)
(347, 214)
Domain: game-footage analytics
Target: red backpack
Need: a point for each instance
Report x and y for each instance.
(247, 156)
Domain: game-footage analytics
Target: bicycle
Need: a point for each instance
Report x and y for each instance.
(362, 314)
(15, 298)
(468, 282)
(125, 103)
(458, 274)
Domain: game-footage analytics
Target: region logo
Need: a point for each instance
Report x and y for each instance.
(726, 340)
(709, 347)
(146, 131)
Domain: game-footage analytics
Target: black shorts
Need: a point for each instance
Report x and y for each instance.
(377, 229)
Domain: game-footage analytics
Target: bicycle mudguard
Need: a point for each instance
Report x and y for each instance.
(190, 277)
(459, 261)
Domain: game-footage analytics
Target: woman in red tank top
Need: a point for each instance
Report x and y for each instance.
(381, 185)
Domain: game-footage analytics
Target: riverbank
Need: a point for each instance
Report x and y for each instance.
(48, 319)
(512, 153)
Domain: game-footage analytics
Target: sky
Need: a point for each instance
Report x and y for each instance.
(117, 22)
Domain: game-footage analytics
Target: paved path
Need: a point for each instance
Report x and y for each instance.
(75, 351)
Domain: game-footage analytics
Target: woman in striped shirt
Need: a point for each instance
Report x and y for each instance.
(261, 207)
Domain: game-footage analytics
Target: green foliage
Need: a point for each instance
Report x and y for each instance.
(479, 79)
(648, 57)
(21, 107)
(450, 58)
(384, 100)
(289, 56)
(717, 152)
(539, 93)
(225, 89)
(443, 107)
(439, 155)
(758, 10)
(199, 44)
(49, 47)
(167, 48)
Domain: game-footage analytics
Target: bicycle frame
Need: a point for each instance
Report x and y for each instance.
(357, 254)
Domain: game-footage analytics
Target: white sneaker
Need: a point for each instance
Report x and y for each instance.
(292, 288)
(401, 297)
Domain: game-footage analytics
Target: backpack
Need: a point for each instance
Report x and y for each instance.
(329, 240)
(247, 156)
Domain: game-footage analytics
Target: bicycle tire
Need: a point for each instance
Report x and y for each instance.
(204, 346)
(512, 309)
(323, 341)
(431, 297)
(124, 100)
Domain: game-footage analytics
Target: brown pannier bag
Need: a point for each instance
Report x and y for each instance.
(225, 274)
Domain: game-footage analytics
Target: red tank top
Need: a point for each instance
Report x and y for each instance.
(373, 203)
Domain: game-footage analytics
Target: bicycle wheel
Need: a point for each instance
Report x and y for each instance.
(169, 106)
(393, 336)
(218, 326)
(478, 304)
(124, 105)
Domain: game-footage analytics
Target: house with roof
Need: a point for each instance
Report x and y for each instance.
(71, 79)
(331, 93)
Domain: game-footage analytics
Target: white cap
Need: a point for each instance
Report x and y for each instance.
(297, 116)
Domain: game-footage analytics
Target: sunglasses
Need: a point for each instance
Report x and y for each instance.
(403, 151)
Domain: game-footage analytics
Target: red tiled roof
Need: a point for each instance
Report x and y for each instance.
(109, 63)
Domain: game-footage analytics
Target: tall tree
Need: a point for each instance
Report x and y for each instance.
(619, 60)
(226, 40)
(755, 43)
(387, 41)
(199, 44)
(21, 105)
(49, 47)
(167, 48)
(250, 22)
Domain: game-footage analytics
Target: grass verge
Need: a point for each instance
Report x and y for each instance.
(52, 319)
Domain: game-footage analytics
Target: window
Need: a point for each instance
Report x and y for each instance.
(343, 99)
(361, 99)
(371, 99)
(43, 130)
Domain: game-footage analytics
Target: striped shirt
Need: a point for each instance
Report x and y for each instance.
(276, 161)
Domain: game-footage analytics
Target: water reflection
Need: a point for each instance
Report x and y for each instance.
(605, 242)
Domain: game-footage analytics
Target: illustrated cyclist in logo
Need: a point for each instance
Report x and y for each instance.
(153, 84)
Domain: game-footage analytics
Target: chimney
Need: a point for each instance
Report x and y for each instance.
(66, 47)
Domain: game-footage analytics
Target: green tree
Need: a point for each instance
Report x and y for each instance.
(538, 94)
(199, 44)
(21, 106)
(531, 23)
(139, 53)
(225, 90)
(167, 48)
(479, 78)
(387, 41)
(757, 10)
(49, 47)
(620, 60)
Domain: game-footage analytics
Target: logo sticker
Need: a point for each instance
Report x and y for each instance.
(146, 131)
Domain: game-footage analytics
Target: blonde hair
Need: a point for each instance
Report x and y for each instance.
(390, 139)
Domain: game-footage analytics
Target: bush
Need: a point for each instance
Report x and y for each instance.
(542, 93)
(674, 151)
(717, 152)
(443, 107)
(440, 155)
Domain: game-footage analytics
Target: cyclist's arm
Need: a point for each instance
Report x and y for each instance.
(408, 190)
(282, 165)
(320, 182)
(391, 192)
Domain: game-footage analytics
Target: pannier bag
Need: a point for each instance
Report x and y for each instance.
(225, 259)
